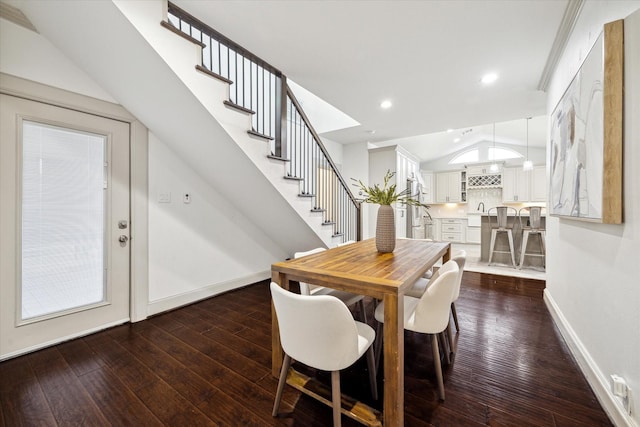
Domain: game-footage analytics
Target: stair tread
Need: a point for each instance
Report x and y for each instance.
(238, 107)
(169, 26)
(271, 156)
(306, 195)
(259, 135)
(318, 210)
(294, 178)
(210, 73)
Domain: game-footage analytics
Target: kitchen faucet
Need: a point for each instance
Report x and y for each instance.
(478, 208)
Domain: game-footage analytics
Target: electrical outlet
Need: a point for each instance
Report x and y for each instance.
(621, 389)
(619, 386)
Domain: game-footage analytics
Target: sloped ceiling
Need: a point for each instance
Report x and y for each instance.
(427, 57)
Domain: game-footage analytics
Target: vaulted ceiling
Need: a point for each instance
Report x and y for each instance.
(426, 57)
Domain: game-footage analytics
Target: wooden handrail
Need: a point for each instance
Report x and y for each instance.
(295, 102)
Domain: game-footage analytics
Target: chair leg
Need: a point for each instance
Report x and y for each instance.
(445, 348)
(511, 248)
(363, 311)
(283, 380)
(455, 316)
(371, 365)
(523, 252)
(492, 245)
(378, 345)
(335, 397)
(436, 363)
(452, 348)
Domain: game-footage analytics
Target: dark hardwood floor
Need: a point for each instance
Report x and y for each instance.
(209, 364)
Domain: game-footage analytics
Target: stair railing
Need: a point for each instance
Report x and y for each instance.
(261, 89)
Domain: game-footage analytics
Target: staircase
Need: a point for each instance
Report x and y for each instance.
(286, 188)
(262, 115)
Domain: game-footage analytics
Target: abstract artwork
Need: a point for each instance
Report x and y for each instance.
(585, 154)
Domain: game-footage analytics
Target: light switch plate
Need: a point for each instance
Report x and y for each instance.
(164, 197)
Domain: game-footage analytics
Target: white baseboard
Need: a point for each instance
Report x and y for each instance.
(598, 382)
(175, 301)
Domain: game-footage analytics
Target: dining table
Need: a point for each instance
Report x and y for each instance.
(359, 268)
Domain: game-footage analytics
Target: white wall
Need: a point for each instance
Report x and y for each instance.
(204, 246)
(195, 250)
(29, 55)
(356, 165)
(593, 273)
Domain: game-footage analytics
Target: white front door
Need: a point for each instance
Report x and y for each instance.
(64, 224)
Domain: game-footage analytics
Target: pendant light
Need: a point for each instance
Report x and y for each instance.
(494, 165)
(528, 164)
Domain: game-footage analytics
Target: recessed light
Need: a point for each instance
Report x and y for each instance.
(489, 78)
(386, 104)
(449, 130)
(456, 140)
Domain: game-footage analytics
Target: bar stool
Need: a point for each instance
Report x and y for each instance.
(535, 213)
(501, 215)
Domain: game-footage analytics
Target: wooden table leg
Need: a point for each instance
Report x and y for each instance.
(277, 355)
(447, 256)
(393, 360)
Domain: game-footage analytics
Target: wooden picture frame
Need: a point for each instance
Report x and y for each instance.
(585, 154)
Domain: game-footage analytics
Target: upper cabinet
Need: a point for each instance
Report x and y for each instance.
(539, 184)
(524, 186)
(451, 187)
(427, 188)
(484, 169)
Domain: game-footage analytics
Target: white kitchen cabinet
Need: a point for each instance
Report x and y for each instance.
(521, 186)
(474, 223)
(427, 187)
(473, 235)
(539, 184)
(453, 229)
(449, 187)
(515, 185)
(484, 169)
(405, 166)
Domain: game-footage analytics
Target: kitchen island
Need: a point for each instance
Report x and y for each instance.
(503, 245)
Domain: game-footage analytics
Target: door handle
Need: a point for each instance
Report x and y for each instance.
(123, 239)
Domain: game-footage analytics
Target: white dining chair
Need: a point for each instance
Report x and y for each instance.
(346, 297)
(320, 332)
(429, 314)
(420, 286)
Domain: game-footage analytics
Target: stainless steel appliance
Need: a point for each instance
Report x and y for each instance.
(419, 224)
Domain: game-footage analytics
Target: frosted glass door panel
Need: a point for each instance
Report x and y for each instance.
(63, 220)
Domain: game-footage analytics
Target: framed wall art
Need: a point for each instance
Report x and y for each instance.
(585, 154)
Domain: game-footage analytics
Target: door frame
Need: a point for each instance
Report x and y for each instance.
(139, 149)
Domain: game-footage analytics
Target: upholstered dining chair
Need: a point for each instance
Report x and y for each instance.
(420, 286)
(429, 314)
(320, 332)
(346, 297)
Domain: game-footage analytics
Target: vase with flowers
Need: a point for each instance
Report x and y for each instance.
(385, 196)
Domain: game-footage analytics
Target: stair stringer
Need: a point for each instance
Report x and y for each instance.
(101, 39)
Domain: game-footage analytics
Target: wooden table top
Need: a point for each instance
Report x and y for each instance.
(360, 268)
